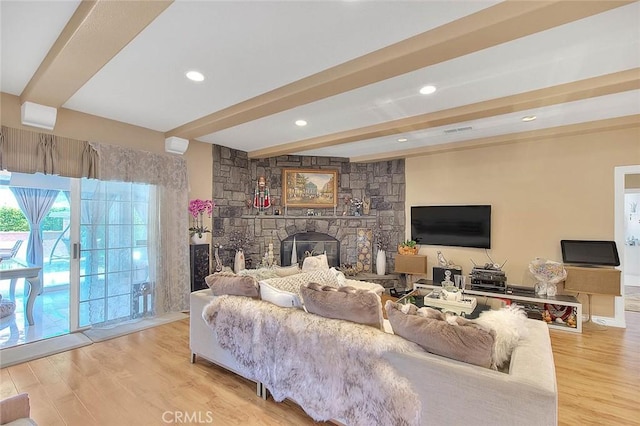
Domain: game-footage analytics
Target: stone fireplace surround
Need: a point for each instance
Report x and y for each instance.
(234, 180)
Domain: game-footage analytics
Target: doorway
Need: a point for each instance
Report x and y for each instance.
(42, 203)
(625, 179)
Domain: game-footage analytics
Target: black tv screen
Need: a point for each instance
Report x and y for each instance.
(586, 252)
(458, 226)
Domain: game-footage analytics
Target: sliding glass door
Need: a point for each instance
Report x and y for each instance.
(113, 253)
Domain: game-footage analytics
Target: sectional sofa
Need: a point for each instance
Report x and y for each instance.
(448, 392)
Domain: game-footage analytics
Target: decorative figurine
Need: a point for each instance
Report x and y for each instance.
(572, 321)
(261, 198)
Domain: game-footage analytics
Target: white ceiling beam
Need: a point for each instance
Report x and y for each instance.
(489, 27)
(96, 32)
(583, 89)
(590, 127)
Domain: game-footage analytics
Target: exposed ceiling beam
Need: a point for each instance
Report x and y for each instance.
(617, 123)
(96, 32)
(583, 89)
(495, 25)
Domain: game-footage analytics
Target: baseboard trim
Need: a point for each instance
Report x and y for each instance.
(41, 348)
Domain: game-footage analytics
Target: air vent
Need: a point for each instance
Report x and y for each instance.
(458, 129)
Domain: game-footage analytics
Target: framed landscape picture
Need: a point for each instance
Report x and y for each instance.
(310, 188)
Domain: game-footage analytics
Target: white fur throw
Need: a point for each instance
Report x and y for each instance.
(510, 326)
(332, 368)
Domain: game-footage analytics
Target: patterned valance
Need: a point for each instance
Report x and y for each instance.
(129, 165)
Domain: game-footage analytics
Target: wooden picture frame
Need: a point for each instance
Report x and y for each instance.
(315, 188)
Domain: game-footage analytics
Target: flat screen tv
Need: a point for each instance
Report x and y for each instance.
(458, 226)
(587, 252)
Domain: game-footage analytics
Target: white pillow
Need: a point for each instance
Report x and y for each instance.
(292, 283)
(313, 263)
(342, 280)
(283, 298)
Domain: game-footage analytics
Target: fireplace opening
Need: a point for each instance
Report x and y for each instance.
(310, 243)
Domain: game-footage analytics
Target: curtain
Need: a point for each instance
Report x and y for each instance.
(35, 204)
(168, 244)
(24, 151)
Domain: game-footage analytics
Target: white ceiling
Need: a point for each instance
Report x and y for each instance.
(247, 48)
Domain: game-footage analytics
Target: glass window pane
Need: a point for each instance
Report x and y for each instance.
(140, 193)
(92, 237)
(91, 312)
(140, 213)
(119, 283)
(120, 191)
(92, 287)
(118, 307)
(119, 236)
(120, 212)
(92, 262)
(92, 189)
(92, 212)
(119, 260)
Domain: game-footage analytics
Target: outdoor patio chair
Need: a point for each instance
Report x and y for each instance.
(10, 253)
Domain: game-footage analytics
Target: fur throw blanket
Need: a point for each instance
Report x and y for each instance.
(332, 368)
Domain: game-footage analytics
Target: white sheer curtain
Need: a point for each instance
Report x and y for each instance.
(169, 252)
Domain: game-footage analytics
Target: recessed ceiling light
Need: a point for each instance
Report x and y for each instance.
(195, 76)
(529, 118)
(427, 90)
(402, 139)
(301, 123)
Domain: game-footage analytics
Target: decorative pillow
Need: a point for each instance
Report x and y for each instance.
(509, 325)
(259, 274)
(283, 298)
(292, 283)
(285, 271)
(463, 340)
(345, 303)
(342, 279)
(313, 263)
(232, 285)
(365, 285)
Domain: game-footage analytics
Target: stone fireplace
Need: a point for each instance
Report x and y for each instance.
(381, 184)
(310, 243)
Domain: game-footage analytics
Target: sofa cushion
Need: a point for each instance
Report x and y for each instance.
(345, 303)
(277, 296)
(458, 339)
(232, 285)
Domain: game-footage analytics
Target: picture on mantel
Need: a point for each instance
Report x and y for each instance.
(310, 187)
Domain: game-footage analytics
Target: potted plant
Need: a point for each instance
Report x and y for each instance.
(408, 247)
(198, 208)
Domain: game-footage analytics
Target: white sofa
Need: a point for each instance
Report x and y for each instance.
(451, 392)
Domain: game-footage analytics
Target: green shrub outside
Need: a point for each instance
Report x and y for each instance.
(12, 220)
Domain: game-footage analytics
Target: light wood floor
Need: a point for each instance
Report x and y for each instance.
(139, 378)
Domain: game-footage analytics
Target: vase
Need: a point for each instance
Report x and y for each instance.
(199, 239)
(381, 262)
(216, 255)
(238, 264)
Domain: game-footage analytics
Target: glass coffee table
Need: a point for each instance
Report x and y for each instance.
(422, 297)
